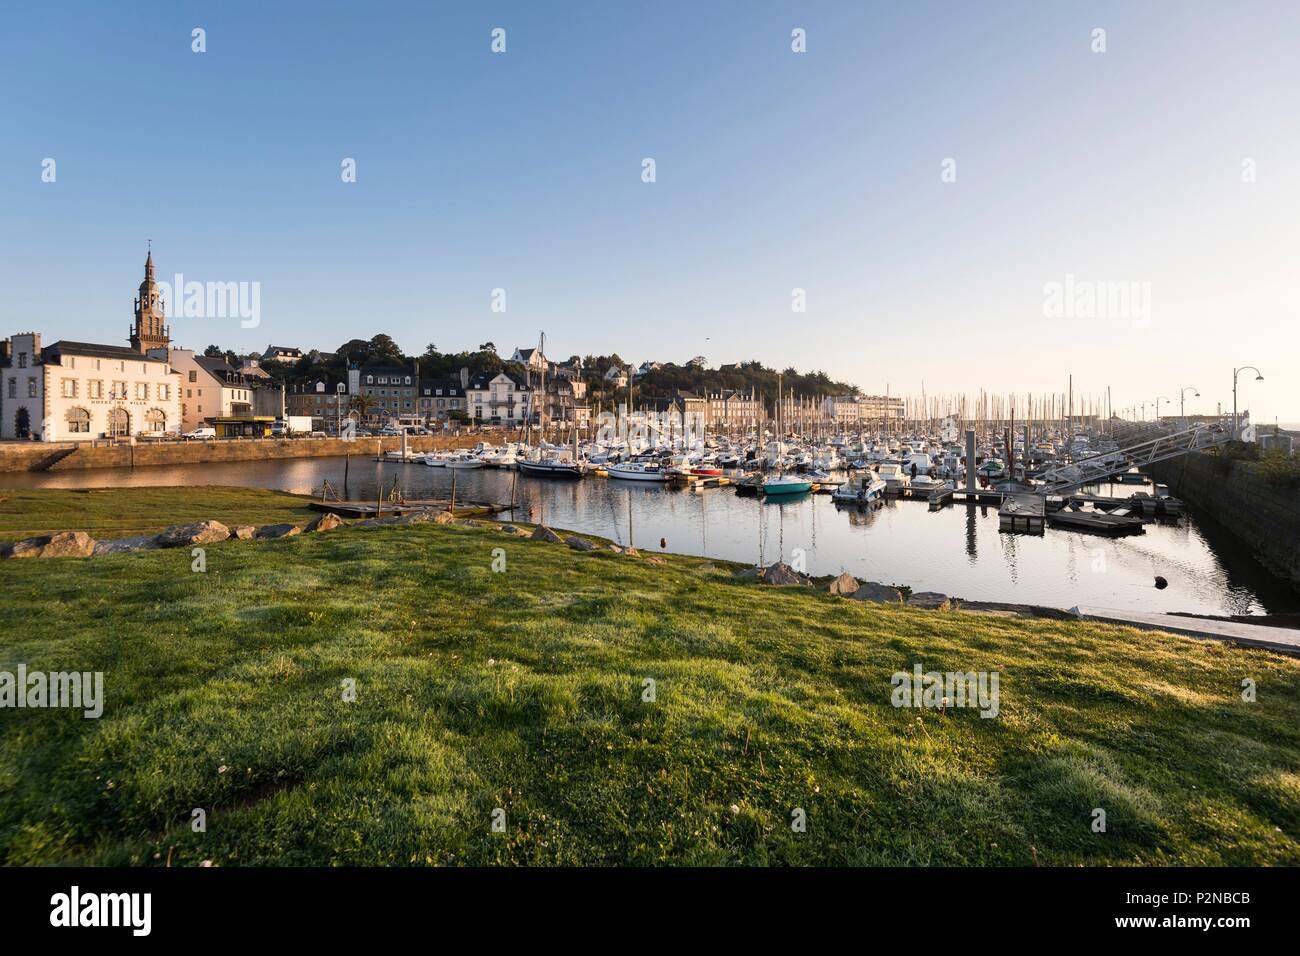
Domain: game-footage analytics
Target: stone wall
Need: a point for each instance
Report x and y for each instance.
(69, 456)
(1263, 516)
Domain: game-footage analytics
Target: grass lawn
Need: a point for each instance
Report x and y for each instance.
(123, 512)
(523, 691)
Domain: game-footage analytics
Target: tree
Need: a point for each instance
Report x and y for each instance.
(213, 351)
(431, 351)
(488, 347)
(384, 349)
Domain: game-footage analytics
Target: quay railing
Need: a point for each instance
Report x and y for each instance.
(1067, 477)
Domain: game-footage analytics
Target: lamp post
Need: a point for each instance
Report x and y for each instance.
(1182, 400)
(1259, 377)
(1159, 399)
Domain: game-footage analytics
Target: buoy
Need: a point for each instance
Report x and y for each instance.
(663, 542)
(1161, 583)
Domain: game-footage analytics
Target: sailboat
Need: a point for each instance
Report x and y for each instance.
(547, 464)
(783, 484)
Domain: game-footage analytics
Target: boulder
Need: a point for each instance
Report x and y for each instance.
(932, 600)
(444, 517)
(845, 584)
(243, 532)
(579, 544)
(632, 552)
(511, 529)
(781, 574)
(147, 542)
(616, 548)
(655, 559)
(877, 593)
(544, 533)
(60, 544)
(186, 535)
(326, 522)
(415, 517)
(272, 531)
(749, 573)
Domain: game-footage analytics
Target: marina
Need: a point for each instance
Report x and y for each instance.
(956, 548)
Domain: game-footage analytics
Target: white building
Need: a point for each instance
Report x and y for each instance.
(499, 399)
(78, 391)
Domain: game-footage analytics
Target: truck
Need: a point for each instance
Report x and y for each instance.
(291, 425)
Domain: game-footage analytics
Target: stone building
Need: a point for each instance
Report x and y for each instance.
(78, 391)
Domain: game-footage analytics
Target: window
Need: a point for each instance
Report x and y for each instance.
(78, 421)
(189, 393)
(119, 422)
(95, 389)
(155, 420)
(68, 386)
(31, 388)
(194, 376)
(142, 391)
(164, 393)
(13, 388)
(370, 380)
(22, 359)
(119, 392)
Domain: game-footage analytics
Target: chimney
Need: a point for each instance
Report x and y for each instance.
(464, 377)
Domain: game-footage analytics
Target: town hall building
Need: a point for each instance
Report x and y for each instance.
(78, 391)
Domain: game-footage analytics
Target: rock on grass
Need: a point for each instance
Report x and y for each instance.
(61, 544)
(199, 532)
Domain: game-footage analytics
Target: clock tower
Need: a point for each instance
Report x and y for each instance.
(149, 331)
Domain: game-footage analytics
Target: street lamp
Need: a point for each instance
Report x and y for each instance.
(1182, 399)
(1159, 399)
(1259, 377)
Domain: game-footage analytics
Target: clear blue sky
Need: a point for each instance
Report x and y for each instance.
(775, 171)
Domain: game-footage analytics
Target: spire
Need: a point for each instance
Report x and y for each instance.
(148, 262)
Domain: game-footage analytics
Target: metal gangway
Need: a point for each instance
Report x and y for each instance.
(1067, 477)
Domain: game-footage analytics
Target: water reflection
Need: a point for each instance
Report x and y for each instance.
(893, 541)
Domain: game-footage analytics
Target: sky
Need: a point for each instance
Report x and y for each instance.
(1162, 174)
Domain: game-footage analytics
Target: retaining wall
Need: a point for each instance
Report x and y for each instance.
(1263, 516)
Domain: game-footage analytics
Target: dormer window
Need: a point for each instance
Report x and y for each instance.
(370, 380)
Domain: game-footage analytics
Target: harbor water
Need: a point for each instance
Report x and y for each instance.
(958, 550)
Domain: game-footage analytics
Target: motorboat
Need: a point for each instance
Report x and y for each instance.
(638, 471)
(466, 461)
(786, 485)
(860, 490)
(892, 474)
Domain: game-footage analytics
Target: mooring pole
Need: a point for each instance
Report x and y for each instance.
(970, 460)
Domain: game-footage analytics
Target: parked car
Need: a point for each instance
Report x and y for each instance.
(201, 434)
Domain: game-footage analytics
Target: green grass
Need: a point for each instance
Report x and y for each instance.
(123, 512)
(523, 690)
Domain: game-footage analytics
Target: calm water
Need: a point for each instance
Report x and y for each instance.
(958, 550)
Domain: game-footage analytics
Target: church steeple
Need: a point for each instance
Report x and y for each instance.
(149, 331)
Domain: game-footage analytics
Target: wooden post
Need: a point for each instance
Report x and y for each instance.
(347, 463)
(629, 518)
(452, 506)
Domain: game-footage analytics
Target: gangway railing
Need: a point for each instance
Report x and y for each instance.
(1062, 478)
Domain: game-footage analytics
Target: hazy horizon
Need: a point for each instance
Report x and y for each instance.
(1158, 174)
